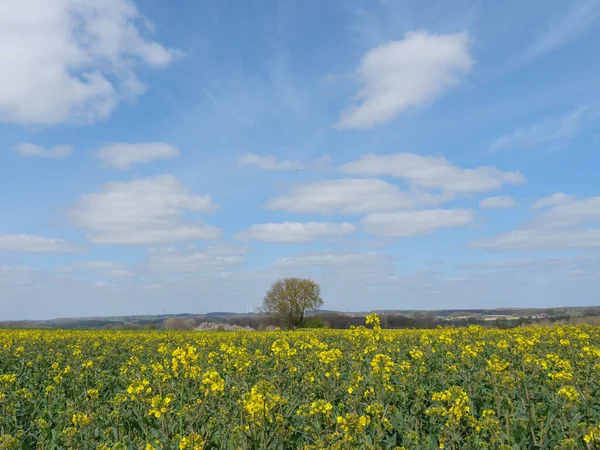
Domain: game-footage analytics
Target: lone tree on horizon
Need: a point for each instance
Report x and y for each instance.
(289, 298)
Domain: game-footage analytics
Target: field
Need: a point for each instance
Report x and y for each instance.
(325, 389)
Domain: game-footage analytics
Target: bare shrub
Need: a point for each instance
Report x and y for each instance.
(211, 326)
(179, 323)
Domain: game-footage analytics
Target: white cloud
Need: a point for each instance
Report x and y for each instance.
(559, 198)
(35, 244)
(119, 273)
(330, 258)
(534, 239)
(416, 223)
(57, 152)
(345, 196)
(551, 132)
(105, 268)
(108, 265)
(432, 172)
(72, 59)
(272, 163)
(173, 260)
(294, 231)
(497, 202)
(569, 214)
(143, 211)
(402, 74)
(553, 227)
(122, 156)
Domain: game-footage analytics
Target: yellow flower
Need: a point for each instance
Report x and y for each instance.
(92, 394)
(87, 364)
(213, 382)
(191, 442)
(80, 420)
(261, 400)
(372, 319)
(569, 392)
(416, 354)
(593, 435)
(454, 405)
(160, 405)
(320, 407)
(495, 365)
(330, 356)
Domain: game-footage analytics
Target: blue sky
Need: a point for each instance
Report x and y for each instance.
(405, 154)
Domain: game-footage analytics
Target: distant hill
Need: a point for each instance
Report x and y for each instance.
(443, 316)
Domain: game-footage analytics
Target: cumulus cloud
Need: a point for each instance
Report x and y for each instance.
(344, 196)
(272, 163)
(72, 59)
(32, 150)
(432, 172)
(143, 211)
(497, 202)
(35, 244)
(402, 74)
(294, 231)
(122, 156)
(560, 198)
(416, 223)
(552, 228)
(569, 214)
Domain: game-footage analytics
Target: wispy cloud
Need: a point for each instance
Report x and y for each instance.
(247, 100)
(578, 20)
(294, 232)
(35, 244)
(497, 202)
(272, 163)
(123, 156)
(560, 198)
(32, 150)
(416, 223)
(552, 132)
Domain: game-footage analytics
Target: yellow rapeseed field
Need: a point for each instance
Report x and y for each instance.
(466, 388)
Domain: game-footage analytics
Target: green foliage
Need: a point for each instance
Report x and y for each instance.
(313, 322)
(289, 298)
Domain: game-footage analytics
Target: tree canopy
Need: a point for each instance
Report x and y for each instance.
(288, 300)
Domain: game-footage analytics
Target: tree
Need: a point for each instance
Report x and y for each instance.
(289, 298)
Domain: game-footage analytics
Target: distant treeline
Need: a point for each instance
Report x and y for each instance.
(328, 319)
(344, 321)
